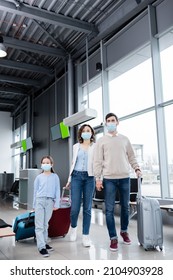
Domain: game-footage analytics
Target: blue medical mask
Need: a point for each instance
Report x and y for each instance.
(86, 135)
(111, 126)
(46, 166)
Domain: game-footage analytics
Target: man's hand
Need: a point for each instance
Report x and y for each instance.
(99, 185)
(138, 173)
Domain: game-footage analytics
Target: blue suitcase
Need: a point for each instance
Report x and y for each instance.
(24, 226)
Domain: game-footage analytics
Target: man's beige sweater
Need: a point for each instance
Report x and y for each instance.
(113, 156)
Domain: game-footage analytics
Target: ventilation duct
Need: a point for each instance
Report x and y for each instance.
(80, 117)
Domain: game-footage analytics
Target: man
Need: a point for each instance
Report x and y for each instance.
(112, 159)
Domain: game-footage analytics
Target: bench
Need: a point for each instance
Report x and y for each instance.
(6, 232)
(5, 229)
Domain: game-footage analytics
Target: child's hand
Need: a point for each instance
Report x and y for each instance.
(55, 208)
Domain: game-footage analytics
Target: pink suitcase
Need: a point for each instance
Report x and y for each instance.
(60, 221)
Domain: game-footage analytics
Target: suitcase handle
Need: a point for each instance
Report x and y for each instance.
(63, 196)
(139, 187)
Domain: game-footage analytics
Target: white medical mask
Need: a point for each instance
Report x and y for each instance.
(86, 135)
(46, 166)
(111, 126)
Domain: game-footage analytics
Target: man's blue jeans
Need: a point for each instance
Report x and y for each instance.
(110, 188)
(82, 187)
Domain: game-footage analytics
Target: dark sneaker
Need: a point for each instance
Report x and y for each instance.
(49, 248)
(44, 253)
(114, 245)
(125, 237)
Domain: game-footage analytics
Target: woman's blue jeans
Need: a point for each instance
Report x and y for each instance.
(110, 188)
(82, 189)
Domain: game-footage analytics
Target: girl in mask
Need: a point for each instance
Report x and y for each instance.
(46, 199)
(81, 182)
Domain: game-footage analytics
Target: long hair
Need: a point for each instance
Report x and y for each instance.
(80, 139)
(51, 161)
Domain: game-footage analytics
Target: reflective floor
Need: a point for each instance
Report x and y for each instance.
(66, 250)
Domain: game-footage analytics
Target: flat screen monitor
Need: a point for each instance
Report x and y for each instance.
(64, 130)
(27, 144)
(60, 131)
(55, 132)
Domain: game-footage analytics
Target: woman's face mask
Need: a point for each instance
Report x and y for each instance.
(86, 135)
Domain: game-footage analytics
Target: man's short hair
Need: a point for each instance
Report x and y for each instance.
(111, 115)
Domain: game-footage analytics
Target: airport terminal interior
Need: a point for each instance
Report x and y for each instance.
(63, 63)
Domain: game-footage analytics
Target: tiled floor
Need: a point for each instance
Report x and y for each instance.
(66, 250)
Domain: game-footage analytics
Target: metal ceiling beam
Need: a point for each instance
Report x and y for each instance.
(31, 47)
(48, 17)
(4, 101)
(16, 80)
(11, 90)
(25, 66)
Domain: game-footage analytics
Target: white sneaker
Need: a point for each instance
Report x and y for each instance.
(86, 240)
(73, 234)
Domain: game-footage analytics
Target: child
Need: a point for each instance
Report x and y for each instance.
(46, 199)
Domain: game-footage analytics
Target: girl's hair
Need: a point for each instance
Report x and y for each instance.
(51, 161)
(80, 139)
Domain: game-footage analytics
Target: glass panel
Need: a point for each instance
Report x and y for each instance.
(141, 131)
(169, 132)
(132, 91)
(166, 55)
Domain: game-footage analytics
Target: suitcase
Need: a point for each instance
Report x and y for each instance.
(24, 226)
(149, 221)
(60, 221)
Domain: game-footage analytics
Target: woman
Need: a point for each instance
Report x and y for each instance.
(81, 182)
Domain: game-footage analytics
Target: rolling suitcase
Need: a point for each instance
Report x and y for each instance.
(149, 221)
(60, 221)
(24, 226)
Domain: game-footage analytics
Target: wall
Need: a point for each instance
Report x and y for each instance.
(49, 109)
(5, 142)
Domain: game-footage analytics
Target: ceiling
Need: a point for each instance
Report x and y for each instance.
(40, 35)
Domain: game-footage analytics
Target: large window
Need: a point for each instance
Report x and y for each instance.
(132, 88)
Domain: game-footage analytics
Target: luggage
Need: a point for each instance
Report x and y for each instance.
(149, 221)
(60, 221)
(24, 226)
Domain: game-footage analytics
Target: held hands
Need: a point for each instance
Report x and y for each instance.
(99, 185)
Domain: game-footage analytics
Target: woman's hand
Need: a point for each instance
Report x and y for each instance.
(67, 186)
